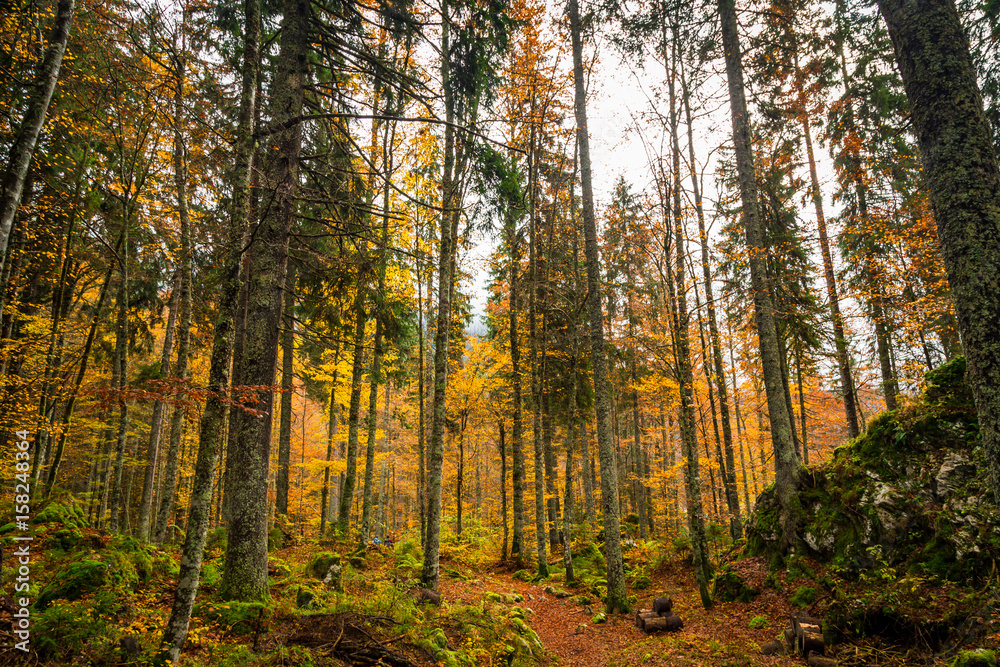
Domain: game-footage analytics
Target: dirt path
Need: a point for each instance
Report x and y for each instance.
(717, 637)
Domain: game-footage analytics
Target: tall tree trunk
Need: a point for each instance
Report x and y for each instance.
(446, 255)
(214, 415)
(609, 470)
(503, 489)
(281, 478)
(389, 135)
(331, 432)
(120, 380)
(421, 413)
(23, 147)
(245, 574)
(156, 423)
(719, 374)
(786, 464)
(460, 478)
(517, 453)
(354, 411)
(963, 176)
(685, 374)
(802, 406)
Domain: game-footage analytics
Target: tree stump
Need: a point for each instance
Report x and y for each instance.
(808, 635)
(662, 606)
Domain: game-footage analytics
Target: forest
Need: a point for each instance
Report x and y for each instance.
(472, 332)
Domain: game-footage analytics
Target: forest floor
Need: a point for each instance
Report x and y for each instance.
(720, 636)
(107, 591)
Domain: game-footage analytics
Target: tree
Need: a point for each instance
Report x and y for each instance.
(786, 461)
(31, 125)
(963, 177)
(210, 435)
(245, 576)
(616, 601)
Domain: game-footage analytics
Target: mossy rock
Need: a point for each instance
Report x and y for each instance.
(730, 587)
(946, 386)
(75, 581)
(803, 597)
(321, 563)
(976, 658)
(523, 575)
(599, 617)
(64, 538)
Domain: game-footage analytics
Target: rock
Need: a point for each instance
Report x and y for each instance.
(599, 617)
(955, 469)
(580, 629)
(304, 598)
(773, 648)
(332, 578)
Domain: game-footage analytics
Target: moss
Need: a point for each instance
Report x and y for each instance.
(83, 577)
(240, 618)
(976, 658)
(730, 587)
(804, 596)
(321, 563)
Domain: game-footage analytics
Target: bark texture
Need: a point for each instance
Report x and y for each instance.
(963, 177)
(245, 575)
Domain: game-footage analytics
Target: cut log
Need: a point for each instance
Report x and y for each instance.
(773, 648)
(820, 661)
(642, 615)
(662, 606)
(654, 623)
(811, 642)
(808, 635)
(674, 623)
(790, 637)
